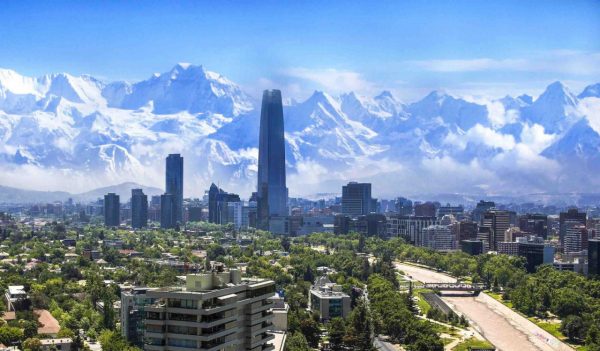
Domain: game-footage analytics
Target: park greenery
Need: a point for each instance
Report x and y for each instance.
(79, 292)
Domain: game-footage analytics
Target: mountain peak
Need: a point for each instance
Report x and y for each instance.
(592, 90)
(386, 94)
(557, 93)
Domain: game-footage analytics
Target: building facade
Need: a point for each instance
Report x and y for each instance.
(139, 209)
(356, 199)
(112, 210)
(272, 192)
(328, 300)
(167, 211)
(594, 257)
(174, 184)
(214, 311)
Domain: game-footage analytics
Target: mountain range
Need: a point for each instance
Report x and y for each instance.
(75, 133)
(9, 195)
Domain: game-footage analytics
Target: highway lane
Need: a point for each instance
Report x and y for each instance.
(503, 327)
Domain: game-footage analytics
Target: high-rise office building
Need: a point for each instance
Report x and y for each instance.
(438, 237)
(535, 224)
(498, 221)
(481, 208)
(272, 193)
(174, 184)
(112, 210)
(139, 209)
(167, 211)
(571, 215)
(213, 192)
(426, 209)
(594, 257)
(576, 237)
(404, 207)
(356, 199)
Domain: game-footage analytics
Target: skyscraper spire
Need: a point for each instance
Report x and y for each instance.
(272, 192)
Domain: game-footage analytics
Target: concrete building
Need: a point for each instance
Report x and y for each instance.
(576, 236)
(456, 211)
(572, 215)
(132, 314)
(316, 224)
(426, 209)
(481, 208)
(409, 227)
(536, 224)
(472, 247)
(16, 298)
(62, 344)
(373, 224)
(327, 299)
(499, 222)
(280, 313)
(356, 199)
(213, 311)
(112, 210)
(438, 237)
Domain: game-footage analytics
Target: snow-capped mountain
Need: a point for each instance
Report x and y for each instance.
(64, 132)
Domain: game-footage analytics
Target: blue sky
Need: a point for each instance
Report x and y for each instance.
(409, 47)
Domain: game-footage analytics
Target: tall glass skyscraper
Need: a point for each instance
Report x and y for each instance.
(112, 210)
(272, 192)
(139, 209)
(174, 184)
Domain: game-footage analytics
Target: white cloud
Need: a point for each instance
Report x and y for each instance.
(590, 107)
(333, 80)
(561, 61)
(535, 138)
(482, 136)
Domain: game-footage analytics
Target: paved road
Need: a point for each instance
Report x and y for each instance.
(503, 327)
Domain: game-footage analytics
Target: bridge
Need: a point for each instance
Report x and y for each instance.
(475, 288)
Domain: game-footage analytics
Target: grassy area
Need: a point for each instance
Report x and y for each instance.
(446, 341)
(498, 297)
(472, 342)
(422, 303)
(552, 328)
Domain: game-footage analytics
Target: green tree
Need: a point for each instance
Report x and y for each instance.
(337, 332)
(10, 335)
(567, 302)
(572, 327)
(30, 329)
(311, 331)
(360, 334)
(296, 342)
(32, 344)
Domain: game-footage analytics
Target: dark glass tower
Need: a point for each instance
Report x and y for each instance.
(167, 211)
(112, 210)
(271, 190)
(174, 184)
(139, 209)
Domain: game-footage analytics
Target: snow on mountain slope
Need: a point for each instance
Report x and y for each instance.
(184, 88)
(555, 109)
(59, 131)
(590, 91)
